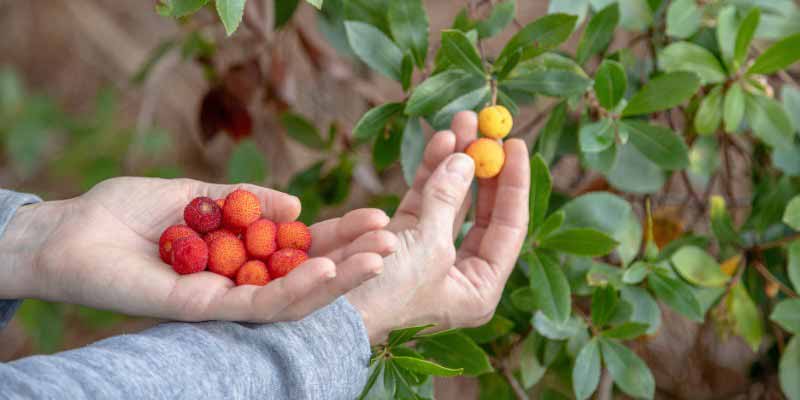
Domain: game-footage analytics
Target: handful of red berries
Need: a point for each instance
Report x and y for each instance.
(229, 237)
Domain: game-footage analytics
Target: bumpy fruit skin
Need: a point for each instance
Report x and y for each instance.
(203, 215)
(259, 239)
(495, 122)
(220, 202)
(165, 243)
(294, 235)
(189, 255)
(284, 261)
(226, 254)
(241, 209)
(253, 272)
(210, 236)
(489, 157)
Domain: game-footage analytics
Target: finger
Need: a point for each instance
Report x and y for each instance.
(441, 145)
(380, 242)
(503, 237)
(338, 232)
(487, 188)
(465, 127)
(350, 274)
(462, 215)
(264, 303)
(444, 194)
(275, 205)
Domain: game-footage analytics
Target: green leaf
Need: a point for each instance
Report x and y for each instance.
(179, 8)
(495, 328)
(636, 273)
(778, 56)
(791, 216)
(247, 164)
(745, 314)
(789, 369)
(557, 330)
(550, 287)
(791, 102)
(386, 149)
(541, 185)
(580, 241)
(659, 144)
(494, 387)
(524, 299)
(586, 372)
(683, 18)
(610, 84)
(406, 71)
(676, 294)
(230, 12)
(299, 129)
(747, 29)
(787, 315)
(539, 36)
(604, 304)
(733, 108)
(645, 308)
(502, 14)
(553, 222)
(686, 56)
(455, 350)
(709, 115)
(374, 121)
(412, 149)
(633, 172)
(441, 119)
(316, 3)
(408, 23)
(530, 368)
(400, 336)
(439, 90)
(769, 121)
(793, 266)
(578, 8)
(698, 267)
(597, 136)
(626, 331)
(548, 139)
(598, 34)
(610, 214)
(636, 15)
(549, 82)
(425, 367)
(284, 10)
(375, 49)
(630, 373)
(727, 28)
(663, 92)
(461, 52)
(721, 222)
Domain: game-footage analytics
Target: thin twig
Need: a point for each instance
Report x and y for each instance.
(519, 391)
(768, 276)
(606, 386)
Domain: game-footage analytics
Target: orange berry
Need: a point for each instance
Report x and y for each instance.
(489, 157)
(495, 122)
(217, 233)
(226, 254)
(284, 261)
(259, 239)
(253, 272)
(294, 235)
(170, 234)
(241, 209)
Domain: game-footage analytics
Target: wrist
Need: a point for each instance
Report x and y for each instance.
(21, 247)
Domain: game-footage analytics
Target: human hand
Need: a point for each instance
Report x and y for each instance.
(100, 250)
(428, 280)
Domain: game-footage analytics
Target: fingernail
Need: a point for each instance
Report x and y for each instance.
(462, 165)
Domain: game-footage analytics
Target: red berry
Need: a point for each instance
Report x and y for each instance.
(165, 243)
(284, 261)
(189, 255)
(203, 215)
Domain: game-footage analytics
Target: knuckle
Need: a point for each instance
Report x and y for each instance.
(445, 192)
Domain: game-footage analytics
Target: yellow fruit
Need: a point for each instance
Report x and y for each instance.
(489, 157)
(495, 122)
(730, 265)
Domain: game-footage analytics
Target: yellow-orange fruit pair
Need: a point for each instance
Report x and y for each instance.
(240, 209)
(226, 254)
(253, 272)
(495, 122)
(489, 157)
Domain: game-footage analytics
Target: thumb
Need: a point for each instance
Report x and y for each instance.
(444, 193)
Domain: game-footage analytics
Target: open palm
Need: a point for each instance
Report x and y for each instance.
(428, 280)
(103, 253)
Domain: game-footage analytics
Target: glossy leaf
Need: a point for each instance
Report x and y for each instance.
(659, 144)
(733, 108)
(709, 115)
(793, 265)
(230, 12)
(610, 84)
(439, 90)
(539, 36)
(663, 92)
(301, 130)
(541, 185)
(599, 32)
(687, 56)
(789, 369)
(787, 314)
(247, 164)
(780, 55)
(502, 14)
(550, 287)
(495, 328)
(626, 331)
(636, 273)
(551, 224)
(698, 267)
(580, 241)
(455, 350)
(747, 319)
(375, 49)
(769, 121)
(426, 367)
(683, 18)
(630, 373)
(747, 30)
(597, 136)
(401, 336)
(586, 372)
(549, 82)
(604, 305)
(461, 52)
(645, 308)
(179, 8)
(408, 23)
(374, 121)
(676, 294)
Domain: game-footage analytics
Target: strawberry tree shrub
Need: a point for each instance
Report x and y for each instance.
(652, 114)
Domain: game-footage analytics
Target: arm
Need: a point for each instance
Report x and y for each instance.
(324, 356)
